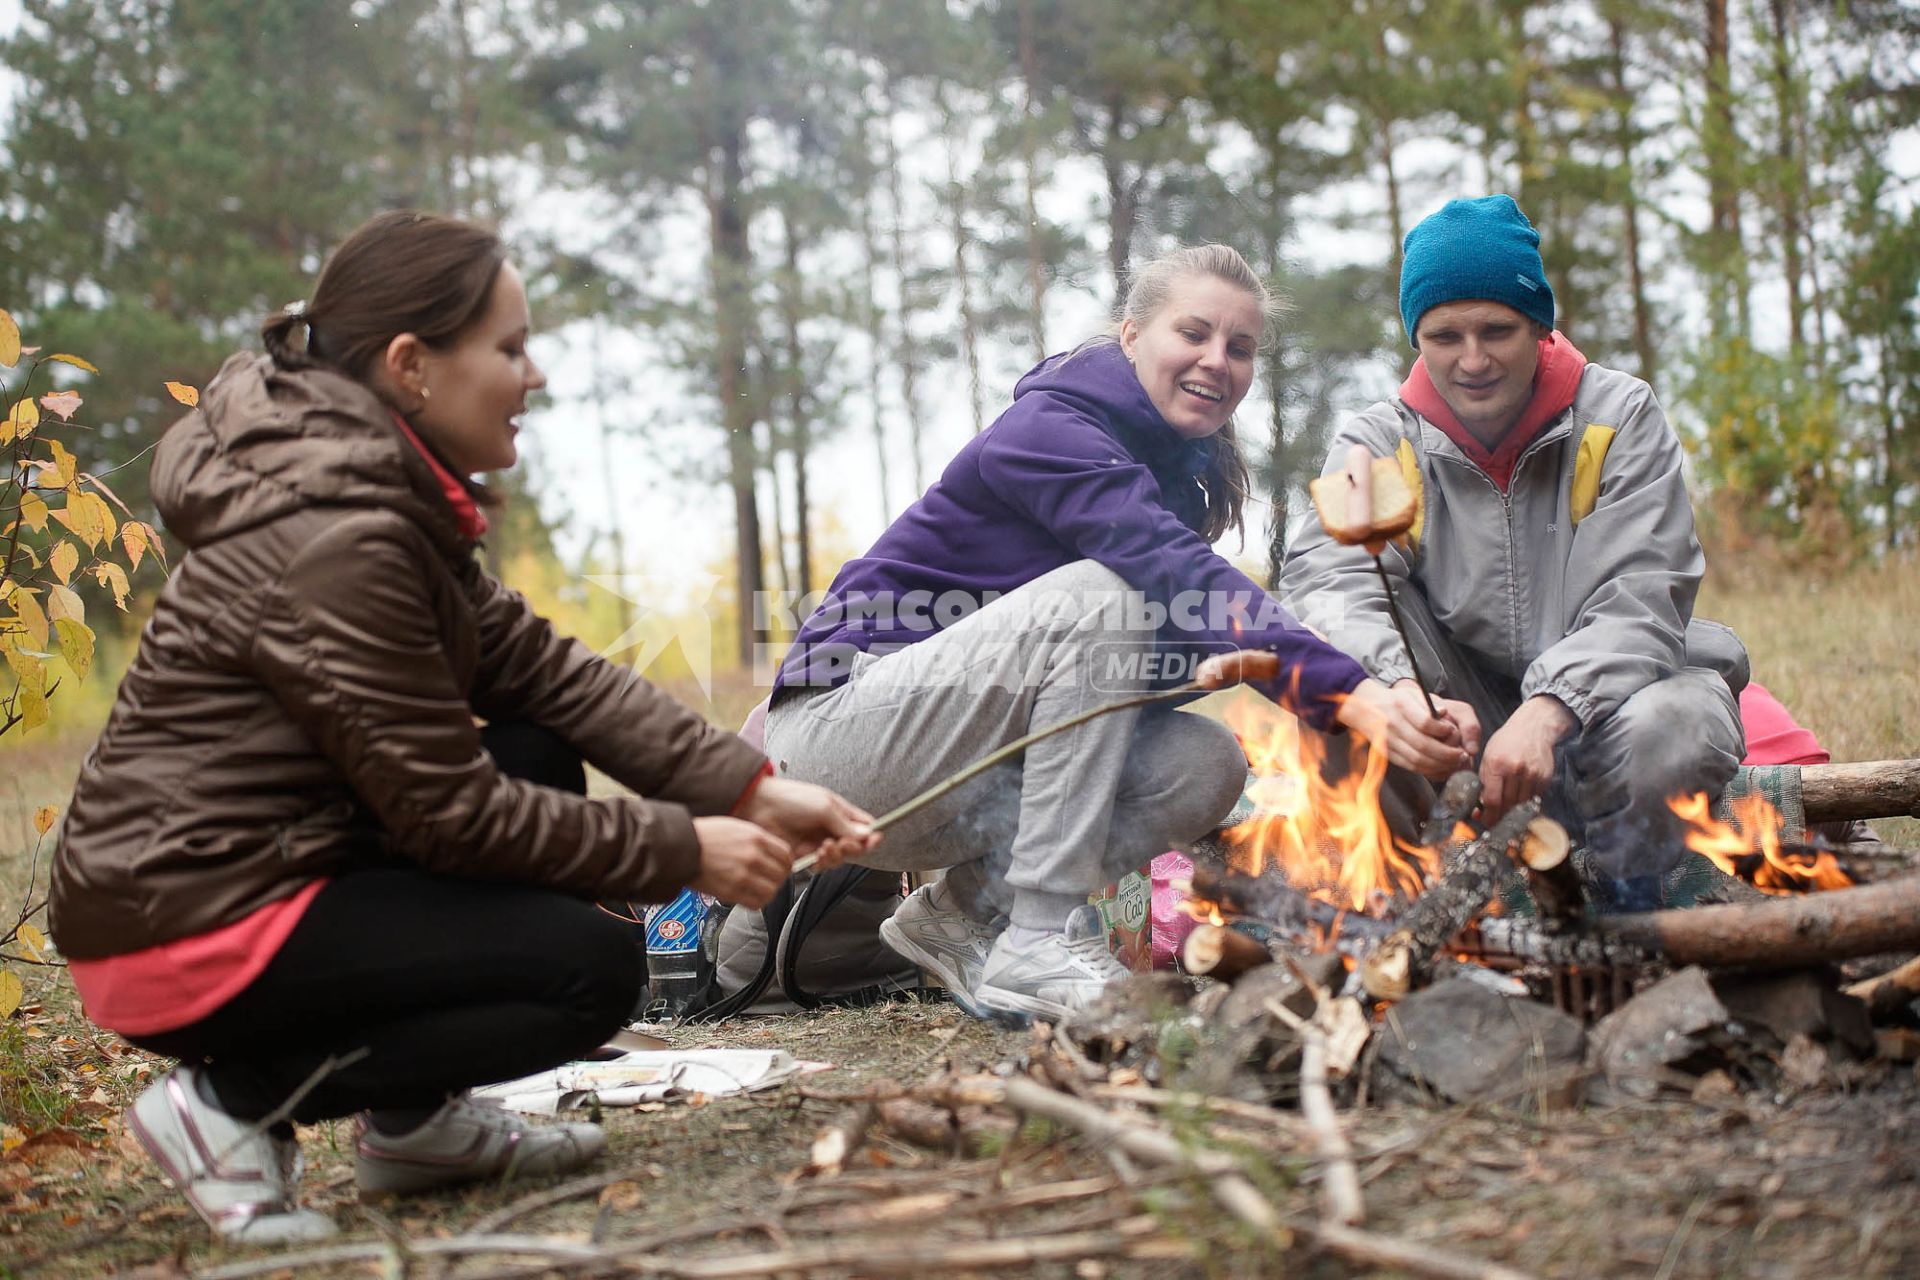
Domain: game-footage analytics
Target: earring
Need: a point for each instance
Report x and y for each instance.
(426, 393)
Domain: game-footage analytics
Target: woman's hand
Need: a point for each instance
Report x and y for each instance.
(1414, 737)
(740, 862)
(812, 819)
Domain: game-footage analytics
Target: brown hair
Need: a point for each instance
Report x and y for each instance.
(1224, 479)
(399, 272)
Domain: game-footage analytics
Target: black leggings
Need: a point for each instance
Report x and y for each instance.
(446, 983)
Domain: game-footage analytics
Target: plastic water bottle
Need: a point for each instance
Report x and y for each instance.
(679, 970)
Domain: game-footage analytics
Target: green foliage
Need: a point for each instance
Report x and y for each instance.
(1776, 443)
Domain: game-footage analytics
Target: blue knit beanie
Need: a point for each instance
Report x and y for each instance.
(1481, 249)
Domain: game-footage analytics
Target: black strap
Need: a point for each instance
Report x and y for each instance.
(821, 895)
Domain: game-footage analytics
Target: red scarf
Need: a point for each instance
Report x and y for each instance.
(465, 514)
(1554, 382)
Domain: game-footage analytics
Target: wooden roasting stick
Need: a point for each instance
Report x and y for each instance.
(1225, 669)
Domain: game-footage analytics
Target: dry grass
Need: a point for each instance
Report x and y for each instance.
(1841, 650)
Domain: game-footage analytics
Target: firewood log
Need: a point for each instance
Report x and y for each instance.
(1449, 904)
(1215, 951)
(1876, 789)
(1547, 855)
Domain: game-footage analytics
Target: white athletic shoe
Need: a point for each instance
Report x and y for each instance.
(1060, 974)
(240, 1180)
(466, 1141)
(949, 944)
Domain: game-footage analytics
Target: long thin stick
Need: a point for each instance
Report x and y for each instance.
(1013, 748)
(1413, 659)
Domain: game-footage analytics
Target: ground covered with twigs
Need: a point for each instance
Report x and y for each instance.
(1822, 1181)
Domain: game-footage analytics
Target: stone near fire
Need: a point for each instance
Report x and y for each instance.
(1458, 1041)
(1803, 1002)
(1667, 1034)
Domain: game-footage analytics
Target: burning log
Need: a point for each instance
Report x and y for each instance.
(1283, 908)
(1449, 904)
(1781, 933)
(1533, 941)
(1546, 854)
(1215, 951)
(1877, 789)
(1455, 804)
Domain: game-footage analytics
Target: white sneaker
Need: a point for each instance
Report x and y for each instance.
(1060, 974)
(240, 1180)
(947, 943)
(466, 1141)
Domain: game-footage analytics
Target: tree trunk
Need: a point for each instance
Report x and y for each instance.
(962, 272)
(1787, 180)
(909, 347)
(1030, 161)
(1720, 139)
(730, 265)
(876, 344)
(1630, 207)
(799, 411)
(1123, 201)
(609, 473)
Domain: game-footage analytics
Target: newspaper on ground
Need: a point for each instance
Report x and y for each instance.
(647, 1076)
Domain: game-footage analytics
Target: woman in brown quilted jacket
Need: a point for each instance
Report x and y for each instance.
(296, 860)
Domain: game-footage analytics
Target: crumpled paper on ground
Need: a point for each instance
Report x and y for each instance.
(646, 1076)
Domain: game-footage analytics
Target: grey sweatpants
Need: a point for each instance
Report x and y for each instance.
(1613, 780)
(1035, 836)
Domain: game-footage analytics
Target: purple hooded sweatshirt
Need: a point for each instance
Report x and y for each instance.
(1080, 467)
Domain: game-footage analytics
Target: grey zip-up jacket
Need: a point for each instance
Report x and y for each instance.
(1577, 582)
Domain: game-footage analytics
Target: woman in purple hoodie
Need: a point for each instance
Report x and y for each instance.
(1062, 562)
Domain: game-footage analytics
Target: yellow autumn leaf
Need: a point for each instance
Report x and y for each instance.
(33, 940)
(65, 602)
(154, 544)
(12, 991)
(76, 645)
(65, 558)
(77, 362)
(31, 706)
(186, 395)
(33, 619)
(89, 517)
(133, 538)
(113, 576)
(64, 403)
(64, 466)
(9, 340)
(33, 512)
(29, 670)
(23, 418)
(44, 817)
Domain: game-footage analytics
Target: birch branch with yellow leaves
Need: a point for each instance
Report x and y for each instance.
(59, 534)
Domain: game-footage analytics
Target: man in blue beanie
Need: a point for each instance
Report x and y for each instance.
(1548, 582)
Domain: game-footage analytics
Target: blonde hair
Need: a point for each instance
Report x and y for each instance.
(1225, 480)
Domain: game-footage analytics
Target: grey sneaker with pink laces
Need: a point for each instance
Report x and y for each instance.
(236, 1176)
(466, 1141)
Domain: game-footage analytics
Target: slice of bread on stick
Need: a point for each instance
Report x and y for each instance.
(1366, 503)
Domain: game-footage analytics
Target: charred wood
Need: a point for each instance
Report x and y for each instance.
(1271, 901)
(1455, 804)
(1461, 893)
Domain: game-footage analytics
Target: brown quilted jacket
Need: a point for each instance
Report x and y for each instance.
(303, 700)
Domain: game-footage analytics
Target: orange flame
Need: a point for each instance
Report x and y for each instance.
(1328, 838)
(1750, 849)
